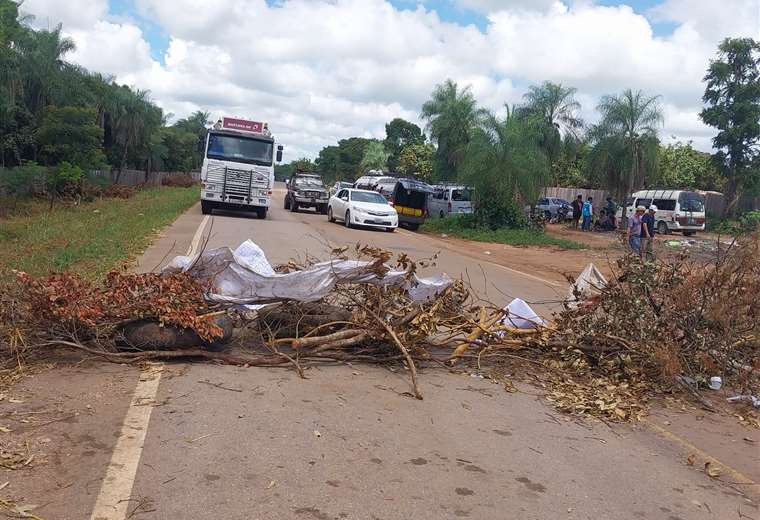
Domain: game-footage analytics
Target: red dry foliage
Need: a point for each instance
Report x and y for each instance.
(65, 299)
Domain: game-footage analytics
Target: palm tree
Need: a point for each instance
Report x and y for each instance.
(452, 114)
(556, 105)
(375, 157)
(506, 165)
(43, 60)
(557, 108)
(626, 140)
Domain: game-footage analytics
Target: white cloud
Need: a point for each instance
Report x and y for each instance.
(322, 70)
(73, 14)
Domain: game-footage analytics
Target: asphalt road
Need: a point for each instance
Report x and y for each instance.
(201, 441)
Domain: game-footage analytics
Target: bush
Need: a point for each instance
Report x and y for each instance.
(750, 221)
(497, 216)
(178, 180)
(20, 181)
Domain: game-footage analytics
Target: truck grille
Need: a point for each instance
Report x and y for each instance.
(238, 184)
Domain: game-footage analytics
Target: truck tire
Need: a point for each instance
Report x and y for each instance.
(287, 202)
(206, 207)
(323, 209)
(294, 206)
(261, 213)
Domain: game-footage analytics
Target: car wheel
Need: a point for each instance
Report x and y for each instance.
(347, 219)
(662, 227)
(293, 206)
(287, 202)
(330, 217)
(390, 229)
(413, 227)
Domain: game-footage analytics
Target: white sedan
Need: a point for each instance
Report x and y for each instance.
(362, 208)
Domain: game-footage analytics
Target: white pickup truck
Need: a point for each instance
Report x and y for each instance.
(238, 167)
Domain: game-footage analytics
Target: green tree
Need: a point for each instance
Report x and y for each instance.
(625, 141)
(507, 166)
(375, 157)
(305, 164)
(732, 97)
(328, 163)
(417, 160)
(43, 62)
(351, 152)
(70, 134)
(399, 134)
(556, 107)
(452, 115)
(679, 165)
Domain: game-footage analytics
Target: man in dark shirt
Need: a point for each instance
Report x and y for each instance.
(647, 232)
(577, 210)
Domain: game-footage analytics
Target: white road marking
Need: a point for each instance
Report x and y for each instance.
(113, 499)
(504, 267)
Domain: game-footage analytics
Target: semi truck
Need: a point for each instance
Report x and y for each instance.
(238, 167)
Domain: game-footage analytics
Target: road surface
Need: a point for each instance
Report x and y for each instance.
(200, 441)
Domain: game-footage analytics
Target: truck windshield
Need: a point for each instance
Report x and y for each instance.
(240, 149)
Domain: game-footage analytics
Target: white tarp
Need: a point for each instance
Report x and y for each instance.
(245, 276)
(519, 315)
(590, 283)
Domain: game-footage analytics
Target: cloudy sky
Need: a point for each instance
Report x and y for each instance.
(322, 70)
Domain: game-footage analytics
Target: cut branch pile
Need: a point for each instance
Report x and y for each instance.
(654, 327)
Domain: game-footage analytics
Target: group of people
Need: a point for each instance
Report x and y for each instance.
(583, 213)
(641, 231)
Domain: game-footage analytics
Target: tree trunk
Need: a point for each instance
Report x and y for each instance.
(731, 196)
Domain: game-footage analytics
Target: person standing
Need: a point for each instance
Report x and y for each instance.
(612, 211)
(648, 231)
(587, 212)
(577, 210)
(634, 230)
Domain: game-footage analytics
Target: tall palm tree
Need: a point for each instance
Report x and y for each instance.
(626, 140)
(452, 114)
(375, 157)
(556, 105)
(506, 165)
(43, 60)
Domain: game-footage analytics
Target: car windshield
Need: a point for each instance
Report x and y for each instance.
(312, 182)
(240, 149)
(462, 195)
(365, 196)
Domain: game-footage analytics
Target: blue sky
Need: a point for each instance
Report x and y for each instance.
(447, 10)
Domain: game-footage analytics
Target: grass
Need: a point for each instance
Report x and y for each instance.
(514, 237)
(91, 238)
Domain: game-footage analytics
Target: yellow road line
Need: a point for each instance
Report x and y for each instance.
(739, 477)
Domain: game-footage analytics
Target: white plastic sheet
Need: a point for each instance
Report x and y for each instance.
(590, 283)
(519, 315)
(245, 276)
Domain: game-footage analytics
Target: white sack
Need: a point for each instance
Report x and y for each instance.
(519, 315)
(590, 283)
(245, 276)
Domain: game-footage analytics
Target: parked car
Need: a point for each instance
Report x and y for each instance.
(449, 200)
(339, 186)
(677, 210)
(306, 190)
(362, 208)
(554, 208)
(409, 196)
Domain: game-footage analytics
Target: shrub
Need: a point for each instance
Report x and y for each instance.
(179, 180)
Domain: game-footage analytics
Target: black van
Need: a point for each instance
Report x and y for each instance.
(409, 196)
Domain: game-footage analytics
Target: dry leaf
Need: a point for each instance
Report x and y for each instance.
(271, 484)
(691, 459)
(712, 470)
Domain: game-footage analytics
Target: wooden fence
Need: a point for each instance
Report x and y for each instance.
(569, 194)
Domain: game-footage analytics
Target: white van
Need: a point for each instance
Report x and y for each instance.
(449, 199)
(677, 210)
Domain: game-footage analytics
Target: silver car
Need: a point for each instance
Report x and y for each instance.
(551, 206)
(449, 200)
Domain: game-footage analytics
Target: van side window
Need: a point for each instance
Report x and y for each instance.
(665, 204)
(643, 202)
